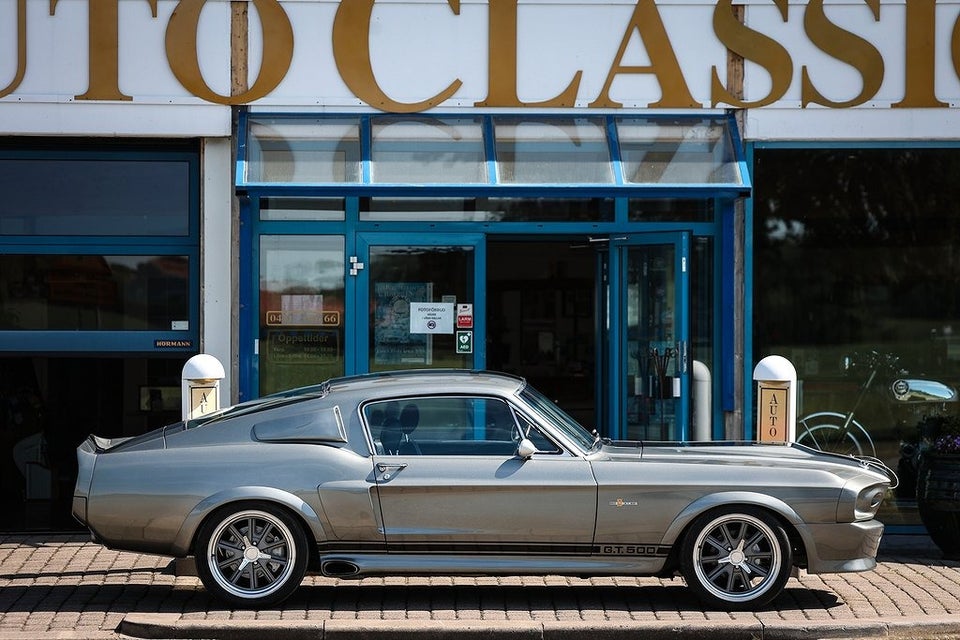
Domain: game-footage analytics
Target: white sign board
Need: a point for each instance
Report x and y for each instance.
(431, 317)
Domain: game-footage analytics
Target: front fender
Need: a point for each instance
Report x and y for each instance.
(182, 545)
(743, 498)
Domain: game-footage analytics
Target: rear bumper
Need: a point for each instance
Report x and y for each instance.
(842, 547)
(86, 461)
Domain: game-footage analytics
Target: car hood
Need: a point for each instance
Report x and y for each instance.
(744, 454)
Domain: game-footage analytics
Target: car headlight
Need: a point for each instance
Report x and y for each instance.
(868, 501)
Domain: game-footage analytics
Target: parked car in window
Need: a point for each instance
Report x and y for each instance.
(458, 472)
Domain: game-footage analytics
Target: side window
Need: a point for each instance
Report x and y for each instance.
(447, 425)
(540, 441)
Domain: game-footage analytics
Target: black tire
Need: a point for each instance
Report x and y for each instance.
(737, 558)
(251, 554)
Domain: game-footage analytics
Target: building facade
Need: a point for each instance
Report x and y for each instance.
(629, 203)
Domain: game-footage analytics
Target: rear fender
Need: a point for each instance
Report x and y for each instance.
(183, 543)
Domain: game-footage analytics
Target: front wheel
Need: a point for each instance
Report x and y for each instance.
(251, 555)
(825, 431)
(736, 558)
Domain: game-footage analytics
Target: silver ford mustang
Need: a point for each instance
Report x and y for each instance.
(468, 473)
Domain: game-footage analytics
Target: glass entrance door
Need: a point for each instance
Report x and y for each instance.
(649, 329)
(422, 310)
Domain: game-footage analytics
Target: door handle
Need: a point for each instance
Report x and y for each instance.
(387, 471)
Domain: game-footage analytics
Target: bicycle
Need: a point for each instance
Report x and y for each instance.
(842, 432)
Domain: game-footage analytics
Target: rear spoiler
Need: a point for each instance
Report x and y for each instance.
(96, 444)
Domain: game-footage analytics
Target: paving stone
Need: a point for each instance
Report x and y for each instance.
(59, 586)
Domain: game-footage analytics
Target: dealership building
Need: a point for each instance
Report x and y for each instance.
(629, 203)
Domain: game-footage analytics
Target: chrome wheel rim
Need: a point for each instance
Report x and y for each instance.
(737, 558)
(251, 554)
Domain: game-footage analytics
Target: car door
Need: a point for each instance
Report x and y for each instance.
(449, 480)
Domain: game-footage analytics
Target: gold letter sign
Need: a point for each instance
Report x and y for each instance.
(182, 51)
(772, 414)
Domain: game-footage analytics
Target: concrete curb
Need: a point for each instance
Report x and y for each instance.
(59, 635)
(172, 627)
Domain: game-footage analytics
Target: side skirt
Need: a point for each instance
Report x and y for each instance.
(359, 565)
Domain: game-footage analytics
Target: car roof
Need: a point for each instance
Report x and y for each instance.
(413, 381)
(381, 385)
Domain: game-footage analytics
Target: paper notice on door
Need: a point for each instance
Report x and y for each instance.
(431, 317)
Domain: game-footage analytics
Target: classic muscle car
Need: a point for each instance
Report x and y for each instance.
(468, 473)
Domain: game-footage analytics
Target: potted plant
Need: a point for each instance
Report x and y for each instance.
(938, 483)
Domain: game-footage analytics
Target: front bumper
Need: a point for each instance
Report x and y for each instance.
(842, 547)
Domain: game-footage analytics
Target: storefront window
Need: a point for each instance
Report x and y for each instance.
(307, 150)
(704, 371)
(541, 151)
(428, 150)
(94, 197)
(671, 210)
(301, 209)
(424, 209)
(94, 293)
(301, 310)
(519, 154)
(488, 209)
(687, 151)
(857, 271)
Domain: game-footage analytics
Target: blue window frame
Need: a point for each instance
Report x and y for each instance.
(99, 248)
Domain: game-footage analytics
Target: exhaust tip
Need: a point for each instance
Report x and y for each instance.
(339, 569)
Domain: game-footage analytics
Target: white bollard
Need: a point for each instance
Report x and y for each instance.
(200, 386)
(702, 402)
(776, 399)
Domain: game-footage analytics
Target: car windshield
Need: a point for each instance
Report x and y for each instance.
(559, 419)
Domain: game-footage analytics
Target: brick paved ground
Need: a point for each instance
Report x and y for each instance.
(64, 586)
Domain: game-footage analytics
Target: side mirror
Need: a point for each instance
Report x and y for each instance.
(526, 449)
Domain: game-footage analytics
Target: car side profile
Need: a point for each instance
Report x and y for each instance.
(450, 472)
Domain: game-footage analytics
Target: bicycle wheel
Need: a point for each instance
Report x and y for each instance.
(824, 431)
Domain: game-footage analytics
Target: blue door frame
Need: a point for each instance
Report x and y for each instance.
(358, 289)
(618, 365)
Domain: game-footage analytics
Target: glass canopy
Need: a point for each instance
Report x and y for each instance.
(444, 155)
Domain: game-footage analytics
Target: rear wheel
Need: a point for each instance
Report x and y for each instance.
(251, 555)
(736, 558)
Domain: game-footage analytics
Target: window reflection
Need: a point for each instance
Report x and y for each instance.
(280, 208)
(687, 151)
(301, 310)
(666, 210)
(94, 292)
(541, 150)
(487, 209)
(702, 326)
(289, 149)
(428, 150)
(856, 255)
(572, 150)
(414, 291)
(84, 197)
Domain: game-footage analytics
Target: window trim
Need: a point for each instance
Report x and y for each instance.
(515, 411)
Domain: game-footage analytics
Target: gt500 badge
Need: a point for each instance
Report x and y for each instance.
(620, 502)
(629, 549)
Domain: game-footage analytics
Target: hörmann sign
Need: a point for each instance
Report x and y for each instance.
(402, 56)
